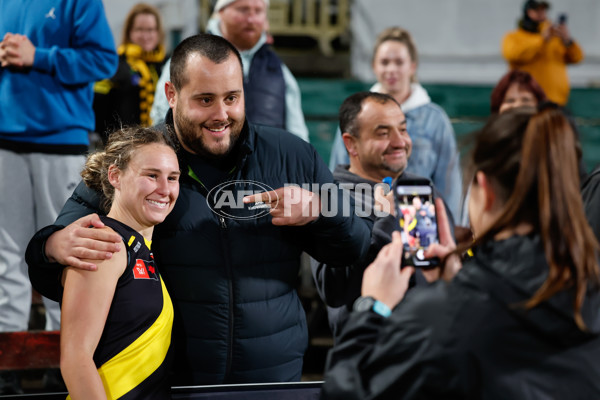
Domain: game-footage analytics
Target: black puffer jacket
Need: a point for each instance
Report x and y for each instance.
(590, 192)
(233, 282)
(469, 339)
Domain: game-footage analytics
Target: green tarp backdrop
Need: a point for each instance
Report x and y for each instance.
(467, 106)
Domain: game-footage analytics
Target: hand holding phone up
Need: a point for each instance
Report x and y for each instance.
(443, 248)
(561, 30)
(383, 279)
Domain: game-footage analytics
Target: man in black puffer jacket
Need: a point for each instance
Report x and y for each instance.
(230, 267)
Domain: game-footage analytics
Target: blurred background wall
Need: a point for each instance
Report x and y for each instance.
(180, 17)
(459, 40)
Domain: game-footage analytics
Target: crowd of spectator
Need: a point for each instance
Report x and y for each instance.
(206, 173)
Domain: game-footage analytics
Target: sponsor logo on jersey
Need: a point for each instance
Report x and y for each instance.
(144, 270)
(140, 271)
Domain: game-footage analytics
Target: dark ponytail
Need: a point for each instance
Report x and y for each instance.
(531, 161)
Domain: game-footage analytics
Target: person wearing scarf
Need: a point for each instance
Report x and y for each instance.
(127, 97)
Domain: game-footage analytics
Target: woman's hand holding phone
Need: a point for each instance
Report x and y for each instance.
(384, 280)
(442, 249)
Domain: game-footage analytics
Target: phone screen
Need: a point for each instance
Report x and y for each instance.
(417, 223)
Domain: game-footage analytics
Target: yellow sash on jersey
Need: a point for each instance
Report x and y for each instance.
(140, 359)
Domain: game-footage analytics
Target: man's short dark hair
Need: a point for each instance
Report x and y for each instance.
(352, 106)
(213, 47)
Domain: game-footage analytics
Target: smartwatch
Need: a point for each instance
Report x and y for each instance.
(369, 303)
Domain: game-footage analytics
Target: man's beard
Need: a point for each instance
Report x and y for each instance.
(244, 40)
(192, 138)
(396, 170)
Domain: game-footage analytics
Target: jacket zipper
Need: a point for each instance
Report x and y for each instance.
(228, 268)
(231, 317)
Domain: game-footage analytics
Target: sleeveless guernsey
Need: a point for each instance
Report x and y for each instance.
(132, 355)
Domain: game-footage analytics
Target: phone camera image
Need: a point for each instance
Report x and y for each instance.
(417, 223)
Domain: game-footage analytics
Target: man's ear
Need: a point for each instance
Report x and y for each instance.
(114, 176)
(171, 93)
(488, 190)
(350, 143)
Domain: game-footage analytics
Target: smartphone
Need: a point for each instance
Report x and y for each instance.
(562, 19)
(417, 222)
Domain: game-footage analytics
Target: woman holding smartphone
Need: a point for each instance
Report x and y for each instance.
(521, 318)
(116, 321)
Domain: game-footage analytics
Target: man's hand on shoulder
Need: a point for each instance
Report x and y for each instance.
(80, 241)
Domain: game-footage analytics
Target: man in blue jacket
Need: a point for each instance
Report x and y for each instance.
(50, 54)
(229, 252)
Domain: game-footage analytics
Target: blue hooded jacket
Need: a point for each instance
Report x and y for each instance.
(48, 107)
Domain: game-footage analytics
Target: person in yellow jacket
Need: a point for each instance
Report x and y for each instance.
(543, 49)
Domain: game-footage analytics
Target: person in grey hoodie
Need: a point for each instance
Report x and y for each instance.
(434, 154)
(374, 129)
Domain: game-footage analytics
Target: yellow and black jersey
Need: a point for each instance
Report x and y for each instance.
(132, 355)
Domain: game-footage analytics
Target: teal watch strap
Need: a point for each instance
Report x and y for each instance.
(381, 309)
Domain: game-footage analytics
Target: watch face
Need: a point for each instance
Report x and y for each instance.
(363, 303)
